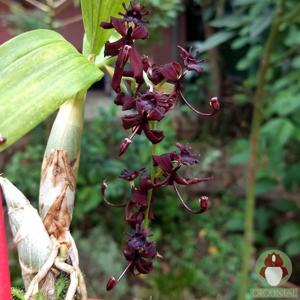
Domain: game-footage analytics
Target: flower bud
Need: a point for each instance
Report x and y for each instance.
(103, 187)
(2, 139)
(203, 203)
(125, 144)
(215, 104)
(112, 282)
(146, 63)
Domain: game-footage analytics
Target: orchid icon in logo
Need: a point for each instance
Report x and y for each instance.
(274, 267)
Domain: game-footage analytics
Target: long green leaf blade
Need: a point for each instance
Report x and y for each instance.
(39, 71)
(93, 13)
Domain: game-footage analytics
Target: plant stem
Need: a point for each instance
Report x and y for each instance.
(38, 5)
(50, 14)
(29, 234)
(69, 21)
(257, 119)
(150, 192)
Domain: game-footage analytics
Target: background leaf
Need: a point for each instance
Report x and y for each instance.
(93, 13)
(39, 71)
(279, 130)
(214, 40)
(230, 21)
(293, 248)
(288, 232)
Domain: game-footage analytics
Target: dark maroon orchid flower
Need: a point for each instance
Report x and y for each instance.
(134, 13)
(139, 124)
(171, 72)
(150, 107)
(144, 185)
(127, 102)
(139, 252)
(153, 72)
(134, 215)
(171, 176)
(186, 156)
(190, 61)
(154, 104)
(131, 175)
(131, 28)
(139, 194)
(174, 73)
(135, 209)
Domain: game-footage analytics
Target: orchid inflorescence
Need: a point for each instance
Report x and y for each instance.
(150, 101)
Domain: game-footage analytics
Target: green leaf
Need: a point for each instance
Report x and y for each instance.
(17, 294)
(61, 285)
(229, 21)
(39, 71)
(278, 130)
(235, 223)
(259, 25)
(250, 59)
(284, 206)
(93, 13)
(214, 41)
(239, 42)
(287, 232)
(39, 296)
(285, 103)
(265, 185)
(239, 152)
(293, 248)
(242, 2)
(263, 216)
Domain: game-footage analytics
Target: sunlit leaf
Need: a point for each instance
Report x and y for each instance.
(93, 13)
(39, 71)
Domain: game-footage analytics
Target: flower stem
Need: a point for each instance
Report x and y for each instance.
(152, 176)
(257, 118)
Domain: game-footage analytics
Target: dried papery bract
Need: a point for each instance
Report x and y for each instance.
(32, 240)
(58, 180)
(58, 183)
(57, 193)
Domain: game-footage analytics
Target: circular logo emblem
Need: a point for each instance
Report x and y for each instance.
(274, 267)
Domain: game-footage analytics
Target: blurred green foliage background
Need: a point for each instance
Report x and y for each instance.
(201, 254)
